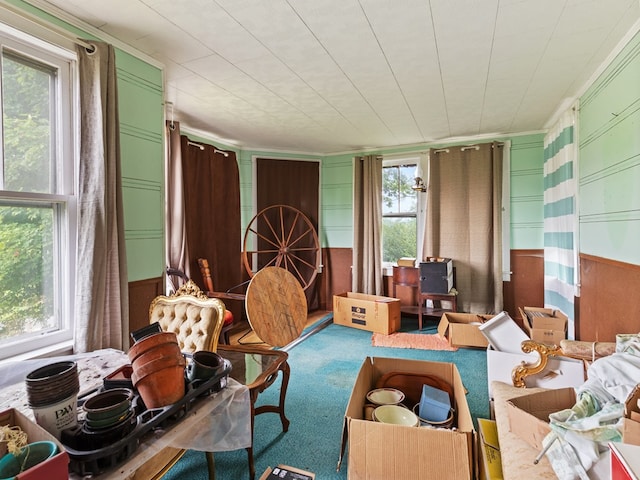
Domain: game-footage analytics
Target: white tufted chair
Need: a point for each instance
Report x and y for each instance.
(195, 318)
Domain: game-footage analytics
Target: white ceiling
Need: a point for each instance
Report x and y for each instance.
(327, 76)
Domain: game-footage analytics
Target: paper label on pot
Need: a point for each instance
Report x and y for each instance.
(57, 417)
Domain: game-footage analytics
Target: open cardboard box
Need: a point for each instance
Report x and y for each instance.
(379, 450)
(367, 312)
(55, 468)
(631, 422)
(529, 414)
(544, 325)
(461, 329)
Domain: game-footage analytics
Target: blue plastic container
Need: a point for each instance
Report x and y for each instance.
(435, 404)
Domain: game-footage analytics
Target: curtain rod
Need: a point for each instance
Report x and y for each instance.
(466, 147)
(201, 147)
(48, 26)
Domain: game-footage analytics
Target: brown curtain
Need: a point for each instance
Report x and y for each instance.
(366, 274)
(464, 221)
(102, 299)
(212, 215)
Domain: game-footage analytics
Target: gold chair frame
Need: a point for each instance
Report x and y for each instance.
(190, 295)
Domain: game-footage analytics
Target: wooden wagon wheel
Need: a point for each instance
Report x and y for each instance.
(282, 236)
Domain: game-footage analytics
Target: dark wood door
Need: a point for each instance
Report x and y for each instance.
(294, 183)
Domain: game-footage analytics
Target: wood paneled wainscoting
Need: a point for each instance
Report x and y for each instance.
(609, 300)
(336, 274)
(141, 293)
(526, 288)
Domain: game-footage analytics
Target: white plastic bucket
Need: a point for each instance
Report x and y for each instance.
(58, 416)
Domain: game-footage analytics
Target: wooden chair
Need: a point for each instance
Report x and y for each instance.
(203, 263)
(197, 321)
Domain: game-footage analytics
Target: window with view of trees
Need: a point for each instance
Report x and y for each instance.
(399, 212)
(37, 207)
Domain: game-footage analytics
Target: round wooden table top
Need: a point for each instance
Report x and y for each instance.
(276, 306)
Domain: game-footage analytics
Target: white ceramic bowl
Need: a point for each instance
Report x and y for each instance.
(385, 396)
(396, 415)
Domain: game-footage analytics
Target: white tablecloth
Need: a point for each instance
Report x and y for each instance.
(219, 422)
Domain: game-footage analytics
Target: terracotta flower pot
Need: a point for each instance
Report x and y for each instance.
(165, 350)
(160, 383)
(150, 342)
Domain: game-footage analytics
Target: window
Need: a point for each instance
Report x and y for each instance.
(400, 210)
(37, 203)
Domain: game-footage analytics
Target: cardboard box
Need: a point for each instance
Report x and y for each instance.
(57, 467)
(529, 414)
(436, 275)
(544, 325)
(490, 461)
(461, 329)
(560, 371)
(625, 461)
(631, 422)
(285, 472)
(367, 312)
(379, 450)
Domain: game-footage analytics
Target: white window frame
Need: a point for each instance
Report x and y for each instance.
(63, 200)
(420, 161)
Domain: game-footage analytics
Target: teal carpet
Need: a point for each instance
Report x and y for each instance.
(323, 370)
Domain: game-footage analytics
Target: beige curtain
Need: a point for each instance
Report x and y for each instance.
(366, 274)
(177, 253)
(102, 303)
(464, 221)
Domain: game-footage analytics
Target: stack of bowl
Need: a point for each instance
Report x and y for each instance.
(52, 394)
(158, 369)
(109, 416)
(108, 408)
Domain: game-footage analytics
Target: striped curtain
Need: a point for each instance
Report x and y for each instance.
(560, 218)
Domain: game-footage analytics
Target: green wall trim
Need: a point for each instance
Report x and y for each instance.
(623, 166)
(616, 119)
(142, 234)
(139, 81)
(144, 134)
(611, 217)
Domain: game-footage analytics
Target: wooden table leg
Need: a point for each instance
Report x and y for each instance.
(286, 371)
(211, 465)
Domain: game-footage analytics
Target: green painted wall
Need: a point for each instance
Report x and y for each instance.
(140, 98)
(609, 165)
(526, 193)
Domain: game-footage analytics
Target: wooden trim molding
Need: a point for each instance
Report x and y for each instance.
(609, 300)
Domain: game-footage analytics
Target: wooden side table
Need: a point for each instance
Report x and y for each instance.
(257, 368)
(452, 297)
(409, 279)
